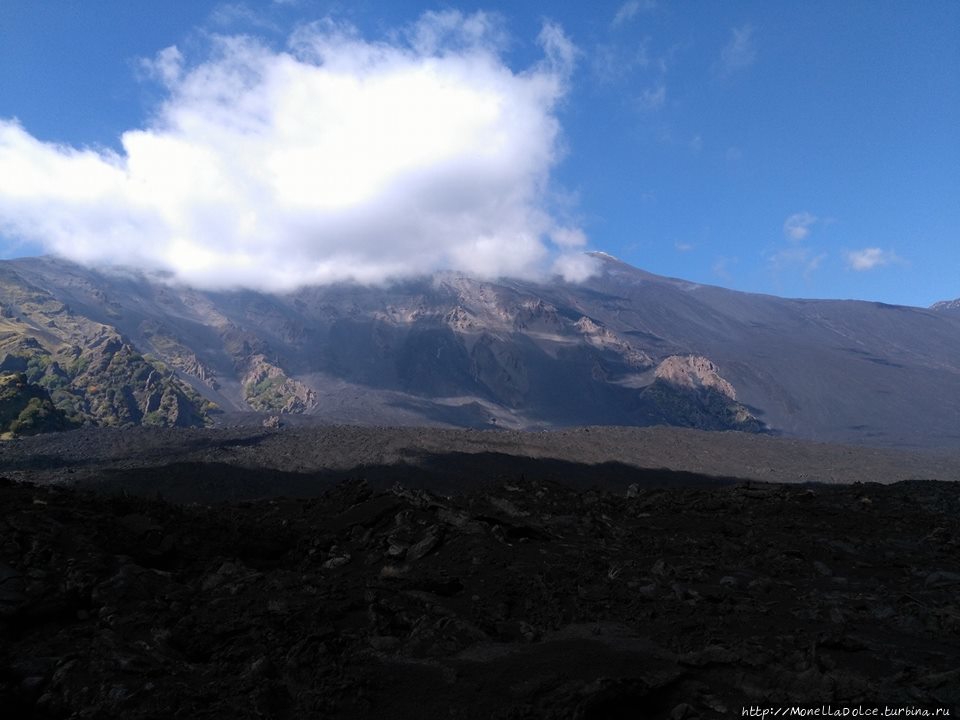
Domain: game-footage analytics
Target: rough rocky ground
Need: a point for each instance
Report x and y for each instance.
(526, 596)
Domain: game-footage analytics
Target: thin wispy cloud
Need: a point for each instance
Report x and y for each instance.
(232, 14)
(560, 54)
(870, 258)
(629, 10)
(804, 259)
(797, 255)
(653, 98)
(611, 62)
(738, 53)
(337, 158)
(722, 267)
(166, 67)
(797, 227)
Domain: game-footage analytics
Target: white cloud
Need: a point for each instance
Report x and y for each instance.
(870, 258)
(797, 226)
(166, 67)
(576, 267)
(338, 158)
(739, 52)
(683, 247)
(568, 237)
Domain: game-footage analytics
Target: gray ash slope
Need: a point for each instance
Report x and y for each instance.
(218, 465)
(623, 348)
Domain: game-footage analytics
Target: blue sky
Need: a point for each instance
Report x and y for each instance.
(802, 149)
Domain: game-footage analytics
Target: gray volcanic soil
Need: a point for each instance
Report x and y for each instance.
(244, 462)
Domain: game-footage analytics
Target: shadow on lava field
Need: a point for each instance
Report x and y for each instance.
(446, 474)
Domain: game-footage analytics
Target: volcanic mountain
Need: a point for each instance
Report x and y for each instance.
(625, 347)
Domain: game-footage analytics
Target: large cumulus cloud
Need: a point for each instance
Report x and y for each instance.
(337, 158)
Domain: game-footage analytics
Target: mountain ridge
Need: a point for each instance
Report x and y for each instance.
(951, 306)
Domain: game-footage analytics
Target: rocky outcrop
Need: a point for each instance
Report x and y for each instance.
(267, 388)
(115, 385)
(461, 320)
(535, 315)
(694, 372)
(106, 381)
(603, 339)
(164, 343)
(688, 391)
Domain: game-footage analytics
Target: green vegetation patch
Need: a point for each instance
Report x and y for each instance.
(27, 409)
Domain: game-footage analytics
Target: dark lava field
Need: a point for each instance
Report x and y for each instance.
(532, 588)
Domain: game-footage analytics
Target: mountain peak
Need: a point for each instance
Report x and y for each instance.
(601, 255)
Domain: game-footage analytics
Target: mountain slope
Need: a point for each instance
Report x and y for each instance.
(840, 370)
(89, 370)
(625, 347)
